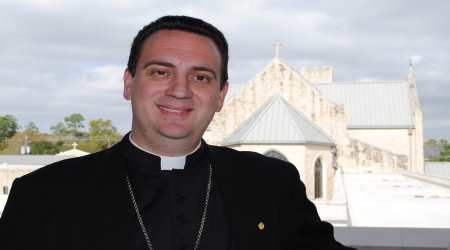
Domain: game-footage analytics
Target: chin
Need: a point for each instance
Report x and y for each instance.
(175, 134)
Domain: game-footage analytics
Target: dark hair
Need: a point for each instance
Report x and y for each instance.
(183, 23)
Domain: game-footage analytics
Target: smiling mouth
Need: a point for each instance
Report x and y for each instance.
(174, 110)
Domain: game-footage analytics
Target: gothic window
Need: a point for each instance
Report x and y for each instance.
(318, 179)
(275, 154)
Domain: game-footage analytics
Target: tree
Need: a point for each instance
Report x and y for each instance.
(443, 142)
(102, 128)
(71, 126)
(59, 129)
(102, 134)
(45, 147)
(431, 142)
(31, 129)
(74, 122)
(8, 128)
(443, 146)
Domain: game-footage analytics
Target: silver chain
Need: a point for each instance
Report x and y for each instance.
(202, 221)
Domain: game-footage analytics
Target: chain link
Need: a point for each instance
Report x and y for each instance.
(202, 221)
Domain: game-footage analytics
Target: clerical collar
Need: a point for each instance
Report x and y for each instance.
(167, 162)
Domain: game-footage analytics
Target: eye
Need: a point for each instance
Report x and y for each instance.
(160, 73)
(201, 78)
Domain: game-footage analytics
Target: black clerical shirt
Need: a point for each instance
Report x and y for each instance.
(171, 202)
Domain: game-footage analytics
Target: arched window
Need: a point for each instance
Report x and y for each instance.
(275, 154)
(318, 179)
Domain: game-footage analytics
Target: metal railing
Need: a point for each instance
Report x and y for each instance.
(440, 169)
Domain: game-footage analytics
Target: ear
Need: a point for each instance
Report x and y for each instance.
(128, 82)
(223, 94)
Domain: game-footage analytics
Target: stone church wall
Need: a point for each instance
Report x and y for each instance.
(279, 78)
(295, 154)
(417, 152)
(325, 153)
(394, 140)
(316, 74)
(361, 156)
(304, 157)
(406, 142)
(354, 147)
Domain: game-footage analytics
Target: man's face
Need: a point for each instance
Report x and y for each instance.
(176, 88)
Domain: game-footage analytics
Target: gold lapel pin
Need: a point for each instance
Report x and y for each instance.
(261, 226)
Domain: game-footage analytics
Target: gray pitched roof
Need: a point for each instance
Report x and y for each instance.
(372, 104)
(277, 122)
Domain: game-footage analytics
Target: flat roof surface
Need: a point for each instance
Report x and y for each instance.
(394, 200)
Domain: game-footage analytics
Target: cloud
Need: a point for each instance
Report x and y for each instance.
(43, 4)
(61, 57)
(416, 58)
(108, 77)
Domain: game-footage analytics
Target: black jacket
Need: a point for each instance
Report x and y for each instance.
(81, 203)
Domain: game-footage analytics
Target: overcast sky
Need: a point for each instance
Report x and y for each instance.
(62, 57)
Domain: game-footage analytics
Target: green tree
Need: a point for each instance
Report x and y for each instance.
(8, 128)
(31, 129)
(59, 129)
(102, 128)
(71, 126)
(45, 147)
(443, 142)
(74, 123)
(102, 134)
(444, 147)
(431, 142)
(445, 153)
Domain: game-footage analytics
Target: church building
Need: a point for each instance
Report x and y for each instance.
(322, 126)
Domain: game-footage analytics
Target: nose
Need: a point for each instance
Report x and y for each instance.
(179, 87)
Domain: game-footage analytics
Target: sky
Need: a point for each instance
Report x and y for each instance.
(62, 57)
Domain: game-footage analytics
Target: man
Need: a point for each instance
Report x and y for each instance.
(162, 187)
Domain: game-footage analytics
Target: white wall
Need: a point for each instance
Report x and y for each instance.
(394, 140)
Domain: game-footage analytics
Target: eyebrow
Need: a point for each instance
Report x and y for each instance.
(170, 65)
(154, 62)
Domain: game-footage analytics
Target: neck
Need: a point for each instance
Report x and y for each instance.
(170, 148)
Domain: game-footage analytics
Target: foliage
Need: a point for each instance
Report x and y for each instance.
(45, 147)
(102, 128)
(444, 147)
(71, 126)
(432, 142)
(74, 122)
(31, 129)
(102, 134)
(59, 129)
(443, 142)
(8, 128)
(445, 153)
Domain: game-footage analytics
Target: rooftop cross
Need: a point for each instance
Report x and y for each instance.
(74, 145)
(277, 46)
